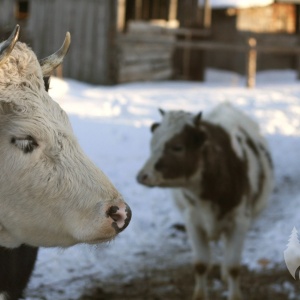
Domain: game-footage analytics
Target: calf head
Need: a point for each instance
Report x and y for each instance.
(51, 194)
(175, 151)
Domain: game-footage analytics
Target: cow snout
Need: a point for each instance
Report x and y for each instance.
(120, 215)
(144, 178)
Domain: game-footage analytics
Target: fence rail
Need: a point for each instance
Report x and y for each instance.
(250, 48)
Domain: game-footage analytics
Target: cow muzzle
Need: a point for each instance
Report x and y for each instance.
(120, 215)
(145, 178)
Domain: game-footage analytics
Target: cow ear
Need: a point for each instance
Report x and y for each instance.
(161, 111)
(197, 119)
(154, 126)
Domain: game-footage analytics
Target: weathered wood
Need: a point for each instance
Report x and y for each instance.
(298, 66)
(137, 57)
(121, 15)
(144, 61)
(187, 13)
(207, 14)
(172, 14)
(160, 74)
(7, 14)
(211, 45)
(92, 24)
(155, 27)
(251, 63)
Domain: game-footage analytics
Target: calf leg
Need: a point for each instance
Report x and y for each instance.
(200, 247)
(234, 240)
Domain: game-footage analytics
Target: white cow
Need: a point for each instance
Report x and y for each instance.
(221, 174)
(51, 194)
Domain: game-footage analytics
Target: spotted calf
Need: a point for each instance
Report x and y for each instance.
(220, 171)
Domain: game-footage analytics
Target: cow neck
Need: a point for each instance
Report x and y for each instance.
(223, 178)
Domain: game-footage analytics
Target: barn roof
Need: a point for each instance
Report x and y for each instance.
(238, 3)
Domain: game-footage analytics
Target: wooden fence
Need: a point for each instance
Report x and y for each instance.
(250, 48)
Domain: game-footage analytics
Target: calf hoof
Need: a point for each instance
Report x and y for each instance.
(200, 295)
(224, 274)
(236, 296)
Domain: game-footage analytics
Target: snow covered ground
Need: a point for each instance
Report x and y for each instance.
(112, 125)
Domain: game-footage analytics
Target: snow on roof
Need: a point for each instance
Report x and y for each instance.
(237, 3)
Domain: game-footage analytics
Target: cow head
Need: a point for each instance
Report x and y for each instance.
(175, 152)
(51, 194)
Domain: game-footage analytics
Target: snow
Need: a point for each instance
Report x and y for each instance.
(237, 3)
(112, 126)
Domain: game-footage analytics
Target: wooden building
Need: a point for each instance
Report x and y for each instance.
(92, 23)
(224, 44)
(275, 25)
(117, 41)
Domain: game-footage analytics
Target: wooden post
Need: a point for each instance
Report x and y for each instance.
(298, 54)
(251, 62)
(172, 15)
(187, 58)
(298, 66)
(121, 15)
(207, 15)
(138, 9)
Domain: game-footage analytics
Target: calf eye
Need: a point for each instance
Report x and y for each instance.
(177, 148)
(26, 144)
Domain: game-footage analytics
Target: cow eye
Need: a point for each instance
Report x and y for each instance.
(26, 144)
(177, 148)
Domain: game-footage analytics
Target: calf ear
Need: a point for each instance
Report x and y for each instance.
(161, 111)
(154, 126)
(197, 119)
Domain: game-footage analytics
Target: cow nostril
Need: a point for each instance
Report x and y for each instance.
(113, 213)
(142, 177)
(121, 215)
(115, 217)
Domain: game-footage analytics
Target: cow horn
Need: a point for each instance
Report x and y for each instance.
(7, 46)
(51, 62)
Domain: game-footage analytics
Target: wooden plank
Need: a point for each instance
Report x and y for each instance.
(207, 14)
(145, 67)
(172, 15)
(111, 49)
(7, 19)
(98, 67)
(208, 45)
(251, 63)
(163, 74)
(158, 28)
(131, 58)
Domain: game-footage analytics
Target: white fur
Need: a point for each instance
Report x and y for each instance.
(53, 196)
(201, 215)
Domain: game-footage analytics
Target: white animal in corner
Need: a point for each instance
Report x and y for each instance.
(292, 255)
